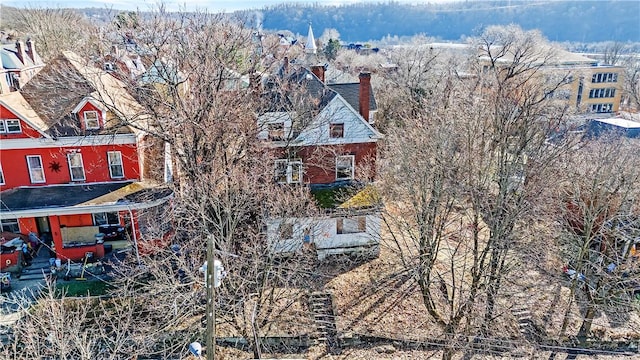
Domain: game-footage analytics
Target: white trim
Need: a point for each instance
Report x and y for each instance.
(86, 121)
(71, 167)
(21, 117)
(377, 135)
(93, 140)
(91, 101)
(2, 179)
(110, 164)
(353, 166)
(289, 173)
(44, 179)
(81, 209)
(4, 126)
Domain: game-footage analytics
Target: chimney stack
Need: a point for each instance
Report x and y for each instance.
(20, 51)
(364, 94)
(31, 50)
(318, 70)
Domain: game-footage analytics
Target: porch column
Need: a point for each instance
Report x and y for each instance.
(54, 224)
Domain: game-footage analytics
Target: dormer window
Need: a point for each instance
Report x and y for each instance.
(91, 121)
(336, 130)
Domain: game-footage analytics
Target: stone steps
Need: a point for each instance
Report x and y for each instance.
(321, 305)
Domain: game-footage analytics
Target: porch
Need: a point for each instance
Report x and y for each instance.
(73, 220)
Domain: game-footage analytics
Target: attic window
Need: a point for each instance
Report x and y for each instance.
(91, 120)
(336, 130)
(276, 131)
(10, 126)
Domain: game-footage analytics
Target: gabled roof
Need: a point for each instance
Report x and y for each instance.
(16, 103)
(11, 60)
(279, 96)
(351, 93)
(68, 80)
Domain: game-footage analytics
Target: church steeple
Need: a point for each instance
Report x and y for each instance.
(310, 47)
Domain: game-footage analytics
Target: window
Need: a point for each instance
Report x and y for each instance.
(602, 93)
(1, 176)
(10, 126)
(10, 225)
(116, 169)
(106, 218)
(75, 167)
(36, 172)
(344, 167)
(601, 108)
(351, 226)
(276, 131)
(336, 130)
(91, 120)
(288, 172)
(604, 77)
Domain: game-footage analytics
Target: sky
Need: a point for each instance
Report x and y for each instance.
(210, 5)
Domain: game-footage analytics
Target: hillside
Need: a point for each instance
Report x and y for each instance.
(582, 21)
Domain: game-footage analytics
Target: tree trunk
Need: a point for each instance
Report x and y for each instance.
(585, 328)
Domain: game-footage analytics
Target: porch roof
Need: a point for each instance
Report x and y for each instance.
(69, 199)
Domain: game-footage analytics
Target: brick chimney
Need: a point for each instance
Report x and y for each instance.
(364, 94)
(20, 51)
(318, 70)
(31, 50)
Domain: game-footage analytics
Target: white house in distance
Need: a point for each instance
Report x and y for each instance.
(354, 227)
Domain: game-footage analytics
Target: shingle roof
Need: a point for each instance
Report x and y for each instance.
(27, 198)
(351, 93)
(65, 82)
(17, 104)
(280, 98)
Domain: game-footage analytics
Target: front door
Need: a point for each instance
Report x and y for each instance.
(43, 225)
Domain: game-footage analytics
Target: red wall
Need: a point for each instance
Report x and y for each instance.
(94, 158)
(320, 161)
(27, 225)
(27, 131)
(76, 220)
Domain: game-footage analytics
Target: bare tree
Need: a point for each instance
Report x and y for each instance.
(465, 162)
(192, 110)
(53, 30)
(600, 226)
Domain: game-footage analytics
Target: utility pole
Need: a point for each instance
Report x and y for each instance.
(211, 293)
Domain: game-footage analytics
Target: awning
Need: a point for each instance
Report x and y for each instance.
(75, 199)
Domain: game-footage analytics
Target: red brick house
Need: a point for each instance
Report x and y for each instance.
(71, 167)
(331, 140)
